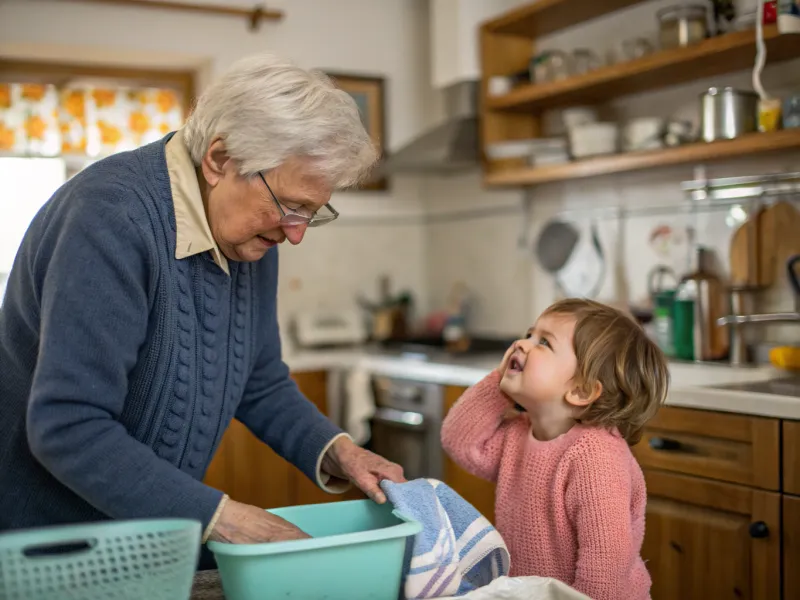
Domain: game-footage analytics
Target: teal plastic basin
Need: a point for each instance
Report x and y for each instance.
(356, 552)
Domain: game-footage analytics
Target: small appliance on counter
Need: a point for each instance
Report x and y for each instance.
(390, 315)
(330, 328)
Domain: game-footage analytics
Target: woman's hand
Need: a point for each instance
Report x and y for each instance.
(345, 460)
(244, 524)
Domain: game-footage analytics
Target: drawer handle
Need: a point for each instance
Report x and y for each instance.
(666, 444)
(759, 530)
(392, 416)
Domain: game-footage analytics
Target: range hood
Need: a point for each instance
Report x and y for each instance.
(450, 147)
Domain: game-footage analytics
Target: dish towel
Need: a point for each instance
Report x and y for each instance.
(359, 405)
(456, 552)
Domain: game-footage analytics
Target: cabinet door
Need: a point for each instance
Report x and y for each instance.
(314, 385)
(705, 539)
(791, 547)
(723, 446)
(248, 471)
(791, 458)
(476, 491)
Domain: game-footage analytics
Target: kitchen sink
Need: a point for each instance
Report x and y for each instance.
(785, 386)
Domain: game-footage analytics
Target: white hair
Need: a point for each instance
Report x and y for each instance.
(267, 110)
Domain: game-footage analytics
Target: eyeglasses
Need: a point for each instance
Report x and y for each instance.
(302, 215)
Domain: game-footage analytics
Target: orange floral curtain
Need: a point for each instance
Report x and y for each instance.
(90, 121)
(29, 119)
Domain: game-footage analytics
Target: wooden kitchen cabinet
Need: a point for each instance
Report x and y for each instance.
(706, 539)
(791, 547)
(721, 446)
(314, 385)
(478, 492)
(713, 526)
(249, 471)
(791, 458)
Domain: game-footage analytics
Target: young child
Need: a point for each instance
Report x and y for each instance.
(570, 496)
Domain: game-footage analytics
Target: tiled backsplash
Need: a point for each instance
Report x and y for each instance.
(510, 287)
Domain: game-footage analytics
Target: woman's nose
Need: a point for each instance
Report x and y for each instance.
(294, 233)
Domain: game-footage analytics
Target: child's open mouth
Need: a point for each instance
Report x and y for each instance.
(516, 364)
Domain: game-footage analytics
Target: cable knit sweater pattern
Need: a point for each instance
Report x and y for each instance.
(571, 508)
(121, 366)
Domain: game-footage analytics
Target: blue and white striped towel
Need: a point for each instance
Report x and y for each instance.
(456, 552)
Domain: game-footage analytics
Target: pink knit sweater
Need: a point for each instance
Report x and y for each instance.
(571, 508)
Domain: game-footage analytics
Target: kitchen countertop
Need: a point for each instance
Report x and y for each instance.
(692, 386)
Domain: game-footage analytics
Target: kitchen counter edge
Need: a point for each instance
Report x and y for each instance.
(691, 385)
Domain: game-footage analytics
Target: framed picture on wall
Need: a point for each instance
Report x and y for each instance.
(369, 95)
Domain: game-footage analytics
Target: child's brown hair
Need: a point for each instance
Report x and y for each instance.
(614, 350)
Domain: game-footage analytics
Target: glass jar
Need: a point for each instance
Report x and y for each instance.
(791, 112)
(682, 25)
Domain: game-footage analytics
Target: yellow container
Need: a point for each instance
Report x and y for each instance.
(769, 115)
(785, 357)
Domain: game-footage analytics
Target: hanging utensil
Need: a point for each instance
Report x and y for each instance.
(575, 258)
(556, 243)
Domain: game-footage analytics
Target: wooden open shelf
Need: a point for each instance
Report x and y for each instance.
(755, 143)
(546, 16)
(508, 42)
(723, 54)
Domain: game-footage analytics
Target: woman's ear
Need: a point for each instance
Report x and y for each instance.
(583, 395)
(214, 161)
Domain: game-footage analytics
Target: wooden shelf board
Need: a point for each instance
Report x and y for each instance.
(723, 54)
(547, 16)
(255, 15)
(755, 143)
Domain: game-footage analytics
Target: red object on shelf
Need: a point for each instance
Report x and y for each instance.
(770, 12)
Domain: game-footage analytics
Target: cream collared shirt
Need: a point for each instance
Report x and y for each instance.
(193, 232)
(193, 236)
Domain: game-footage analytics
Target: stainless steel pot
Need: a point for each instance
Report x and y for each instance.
(727, 113)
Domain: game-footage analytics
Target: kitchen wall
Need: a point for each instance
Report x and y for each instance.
(509, 287)
(348, 36)
(427, 232)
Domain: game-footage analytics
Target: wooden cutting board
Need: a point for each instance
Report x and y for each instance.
(774, 233)
(779, 231)
(746, 255)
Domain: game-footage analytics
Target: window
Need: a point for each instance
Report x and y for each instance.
(27, 184)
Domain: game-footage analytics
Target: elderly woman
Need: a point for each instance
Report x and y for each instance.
(140, 318)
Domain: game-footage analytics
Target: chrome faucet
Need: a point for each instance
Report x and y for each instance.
(738, 349)
(787, 317)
